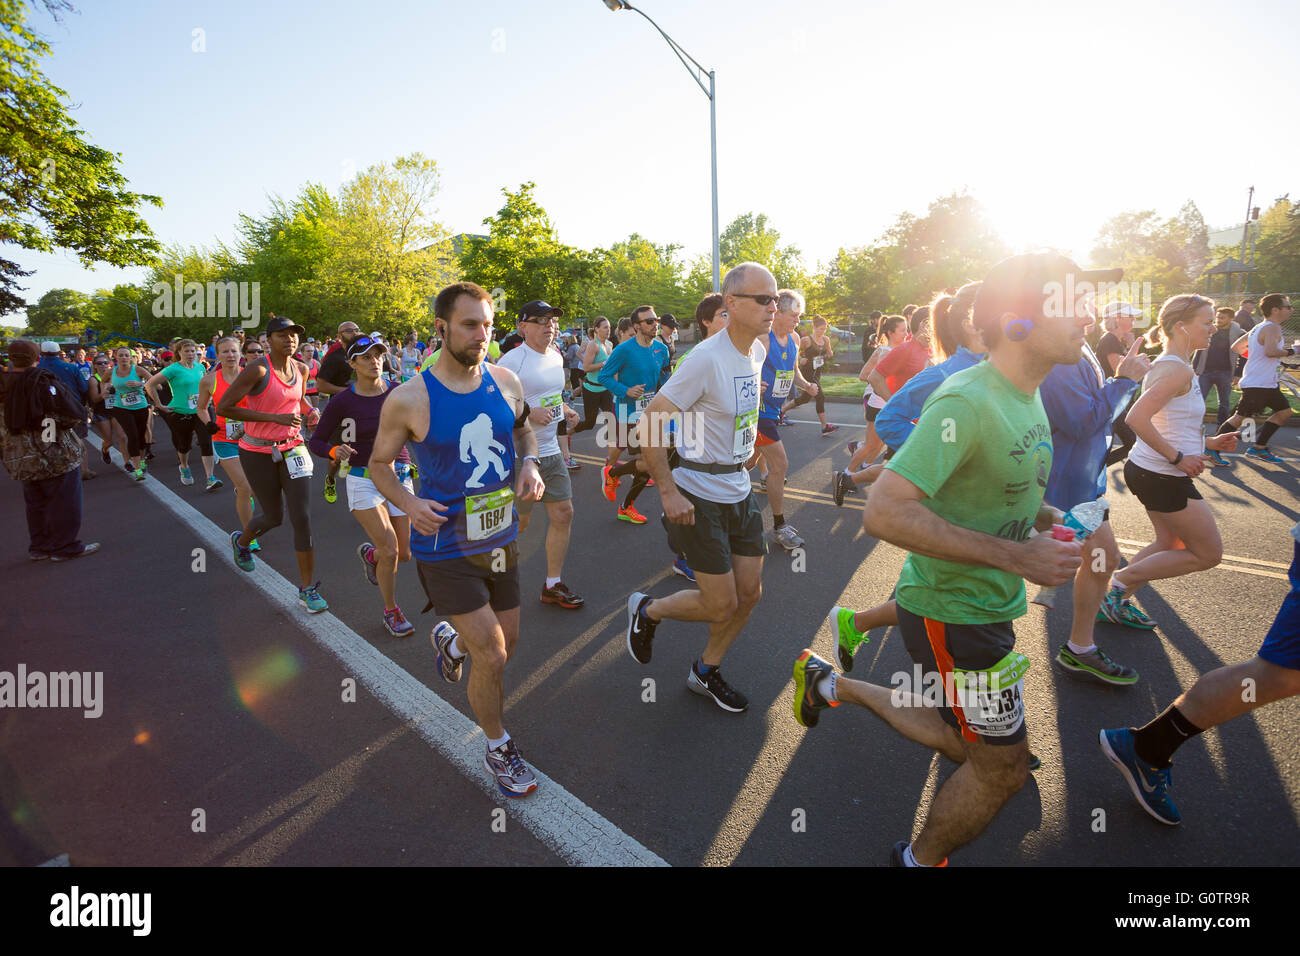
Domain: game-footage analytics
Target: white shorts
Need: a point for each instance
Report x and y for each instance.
(363, 495)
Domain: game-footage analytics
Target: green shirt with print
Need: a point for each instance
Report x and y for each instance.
(184, 384)
(981, 452)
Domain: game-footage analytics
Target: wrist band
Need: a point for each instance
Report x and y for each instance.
(1178, 459)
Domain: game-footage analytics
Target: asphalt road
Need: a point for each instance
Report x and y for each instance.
(218, 699)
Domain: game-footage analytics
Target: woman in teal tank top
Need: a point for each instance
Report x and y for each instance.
(181, 413)
(595, 397)
(128, 406)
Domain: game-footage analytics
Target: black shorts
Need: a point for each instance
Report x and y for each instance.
(719, 532)
(940, 648)
(463, 585)
(1255, 400)
(870, 410)
(1163, 493)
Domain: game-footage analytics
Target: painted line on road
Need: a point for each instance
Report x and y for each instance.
(556, 817)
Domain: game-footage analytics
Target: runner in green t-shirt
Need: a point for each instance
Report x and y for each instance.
(963, 495)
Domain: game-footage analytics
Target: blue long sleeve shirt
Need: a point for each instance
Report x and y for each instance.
(894, 422)
(629, 365)
(1081, 409)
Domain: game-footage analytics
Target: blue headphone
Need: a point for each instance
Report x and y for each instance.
(1018, 330)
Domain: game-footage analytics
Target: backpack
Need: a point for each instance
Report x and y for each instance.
(38, 394)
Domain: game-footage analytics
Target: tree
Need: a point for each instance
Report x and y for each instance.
(523, 256)
(749, 238)
(638, 272)
(1168, 253)
(59, 312)
(57, 190)
(1277, 250)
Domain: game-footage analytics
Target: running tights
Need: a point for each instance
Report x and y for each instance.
(134, 421)
(803, 396)
(273, 488)
(593, 403)
(185, 428)
(639, 480)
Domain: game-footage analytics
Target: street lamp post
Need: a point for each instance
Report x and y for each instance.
(135, 324)
(697, 74)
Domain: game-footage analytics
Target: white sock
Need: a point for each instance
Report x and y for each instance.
(552, 582)
(909, 860)
(495, 744)
(454, 649)
(826, 686)
(1076, 649)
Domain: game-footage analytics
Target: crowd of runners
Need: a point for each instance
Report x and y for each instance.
(989, 426)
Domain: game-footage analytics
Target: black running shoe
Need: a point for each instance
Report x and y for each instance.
(640, 630)
(843, 486)
(896, 854)
(723, 694)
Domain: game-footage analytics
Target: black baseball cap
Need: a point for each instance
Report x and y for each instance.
(537, 309)
(282, 324)
(668, 320)
(363, 344)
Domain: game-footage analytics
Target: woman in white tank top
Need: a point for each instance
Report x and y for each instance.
(1170, 451)
(891, 332)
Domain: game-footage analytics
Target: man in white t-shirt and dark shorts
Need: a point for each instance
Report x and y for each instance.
(541, 373)
(709, 507)
(1260, 391)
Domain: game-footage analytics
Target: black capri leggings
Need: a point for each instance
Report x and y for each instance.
(185, 428)
(272, 487)
(802, 397)
(593, 403)
(134, 421)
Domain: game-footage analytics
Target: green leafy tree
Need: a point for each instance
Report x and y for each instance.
(639, 272)
(59, 312)
(749, 238)
(57, 190)
(1277, 250)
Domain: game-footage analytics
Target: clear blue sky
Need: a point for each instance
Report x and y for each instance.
(833, 117)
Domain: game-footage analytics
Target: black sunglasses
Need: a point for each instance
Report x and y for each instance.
(762, 300)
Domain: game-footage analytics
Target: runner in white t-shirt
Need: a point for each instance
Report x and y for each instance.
(541, 373)
(709, 507)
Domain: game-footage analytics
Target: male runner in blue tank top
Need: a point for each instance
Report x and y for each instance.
(467, 423)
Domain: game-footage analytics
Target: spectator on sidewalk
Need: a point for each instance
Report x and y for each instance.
(70, 375)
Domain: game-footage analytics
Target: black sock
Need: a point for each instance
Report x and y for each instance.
(777, 521)
(638, 485)
(1226, 427)
(1265, 433)
(1156, 742)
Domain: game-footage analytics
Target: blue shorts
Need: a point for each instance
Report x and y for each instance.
(1282, 643)
(225, 450)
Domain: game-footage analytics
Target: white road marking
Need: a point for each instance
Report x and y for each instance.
(560, 820)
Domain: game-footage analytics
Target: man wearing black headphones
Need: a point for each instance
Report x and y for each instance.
(963, 496)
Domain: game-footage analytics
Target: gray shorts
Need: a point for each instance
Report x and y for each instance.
(555, 475)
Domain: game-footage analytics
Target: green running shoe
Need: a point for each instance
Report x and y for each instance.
(310, 599)
(1097, 665)
(808, 670)
(331, 493)
(1121, 610)
(847, 637)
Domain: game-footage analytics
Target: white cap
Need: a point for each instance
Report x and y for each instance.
(50, 348)
(1113, 309)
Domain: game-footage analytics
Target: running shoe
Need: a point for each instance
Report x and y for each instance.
(631, 514)
(1150, 785)
(853, 447)
(1120, 610)
(37, 556)
(85, 550)
(187, 476)
(847, 637)
(514, 779)
(366, 552)
(331, 491)
(1263, 454)
(126, 467)
(254, 545)
(808, 670)
(640, 629)
(787, 537)
(243, 556)
(104, 453)
(448, 666)
(761, 484)
(397, 624)
(572, 465)
(611, 482)
(843, 486)
(784, 421)
(1216, 458)
(148, 452)
(561, 595)
(827, 429)
(712, 685)
(310, 599)
(1096, 665)
(139, 474)
(213, 484)
(681, 567)
(896, 855)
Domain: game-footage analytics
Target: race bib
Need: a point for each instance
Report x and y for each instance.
(642, 404)
(819, 361)
(556, 404)
(993, 699)
(746, 432)
(783, 383)
(489, 514)
(193, 401)
(130, 398)
(299, 462)
(234, 430)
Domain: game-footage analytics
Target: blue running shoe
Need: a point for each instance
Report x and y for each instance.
(1263, 454)
(1149, 784)
(310, 599)
(681, 567)
(243, 556)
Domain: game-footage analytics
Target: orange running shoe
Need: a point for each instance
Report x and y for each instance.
(611, 483)
(631, 514)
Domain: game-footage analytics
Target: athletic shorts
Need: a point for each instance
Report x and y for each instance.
(1282, 643)
(463, 585)
(719, 532)
(225, 450)
(363, 495)
(767, 432)
(559, 486)
(1163, 493)
(940, 648)
(98, 413)
(870, 411)
(1256, 400)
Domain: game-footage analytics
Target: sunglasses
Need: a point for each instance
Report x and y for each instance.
(254, 351)
(763, 300)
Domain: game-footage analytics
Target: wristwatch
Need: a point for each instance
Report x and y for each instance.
(533, 458)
